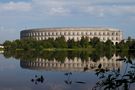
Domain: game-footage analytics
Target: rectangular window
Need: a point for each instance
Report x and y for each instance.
(117, 33)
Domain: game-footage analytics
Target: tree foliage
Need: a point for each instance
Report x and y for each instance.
(60, 42)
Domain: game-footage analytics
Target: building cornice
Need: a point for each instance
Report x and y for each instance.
(71, 29)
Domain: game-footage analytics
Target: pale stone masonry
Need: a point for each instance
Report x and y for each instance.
(115, 35)
(1, 46)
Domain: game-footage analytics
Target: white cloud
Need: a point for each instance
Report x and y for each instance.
(15, 6)
(51, 7)
(113, 10)
(122, 9)
(64, 7)
(59, 11)
(94, 7)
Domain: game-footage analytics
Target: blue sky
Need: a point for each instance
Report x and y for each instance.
(16, 15)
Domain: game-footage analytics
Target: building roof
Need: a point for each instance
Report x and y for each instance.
(72, 29)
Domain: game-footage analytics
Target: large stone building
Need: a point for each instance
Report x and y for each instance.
(103, 34)
(1, 46)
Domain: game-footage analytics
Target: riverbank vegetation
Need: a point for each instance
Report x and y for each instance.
(62, 55)
(61, 44)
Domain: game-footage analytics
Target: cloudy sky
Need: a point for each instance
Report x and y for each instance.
(16, 15)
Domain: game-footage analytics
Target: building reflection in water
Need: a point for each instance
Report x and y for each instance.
(1, 52)
(75, 64)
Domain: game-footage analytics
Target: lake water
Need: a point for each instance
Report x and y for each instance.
(31, 72)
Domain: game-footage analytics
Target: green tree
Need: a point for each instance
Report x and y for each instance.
(84, 42)
(94, 41)
(122, 46)
(72, 44)
(60, 42)
(7, 44)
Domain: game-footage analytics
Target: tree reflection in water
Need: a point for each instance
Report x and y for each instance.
(68, 81)
(37, 79)
(113, 79)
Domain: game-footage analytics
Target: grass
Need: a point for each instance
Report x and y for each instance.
(68, 49)
(59, 49)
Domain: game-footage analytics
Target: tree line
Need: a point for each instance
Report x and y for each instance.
(61, 43)
(61, 55)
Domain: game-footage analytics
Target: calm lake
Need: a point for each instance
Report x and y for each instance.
(66, 71)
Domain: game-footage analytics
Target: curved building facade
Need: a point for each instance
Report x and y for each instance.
(115, 35)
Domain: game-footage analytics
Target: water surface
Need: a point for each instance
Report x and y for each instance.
(19, 72)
